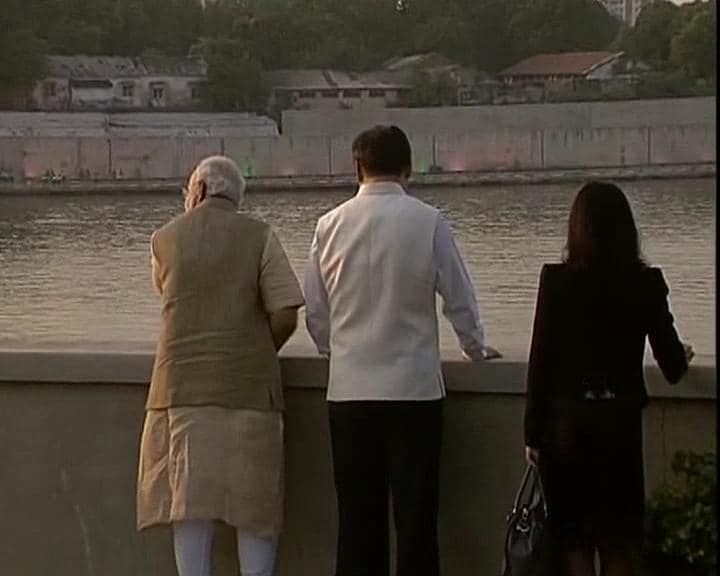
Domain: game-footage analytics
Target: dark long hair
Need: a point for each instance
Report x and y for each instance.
(602, 236)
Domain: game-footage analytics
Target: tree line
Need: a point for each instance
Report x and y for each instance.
(242, 38)
(674, 38)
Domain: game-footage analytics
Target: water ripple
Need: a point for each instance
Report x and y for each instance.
(75, 269)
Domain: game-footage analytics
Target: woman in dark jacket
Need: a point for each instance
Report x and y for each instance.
(585, 389)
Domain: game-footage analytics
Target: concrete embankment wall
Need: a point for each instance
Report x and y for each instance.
(565, 136)
(459, 120)
(69, 434)
(136, 158)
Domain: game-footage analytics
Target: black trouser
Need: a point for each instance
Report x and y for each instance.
(383, 448)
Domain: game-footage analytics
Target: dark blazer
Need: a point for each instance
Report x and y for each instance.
(589, 334)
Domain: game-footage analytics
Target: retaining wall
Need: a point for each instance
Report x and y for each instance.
(481, 139)
(461, 119)
(69, 433)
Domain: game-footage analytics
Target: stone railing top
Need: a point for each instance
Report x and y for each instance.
(503, 376)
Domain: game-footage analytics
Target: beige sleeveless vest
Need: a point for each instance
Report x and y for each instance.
(215, 346)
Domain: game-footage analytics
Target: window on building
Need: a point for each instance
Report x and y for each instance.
(351, 93)
(158, 91)
(196, 91)
(128, 90)
(306, 94)
(330, 93)
(50, 89)
(377, 93)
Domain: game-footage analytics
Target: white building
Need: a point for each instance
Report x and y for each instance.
(118, 83)
(331, 89)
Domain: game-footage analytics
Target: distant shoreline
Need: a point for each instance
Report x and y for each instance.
(443, 179)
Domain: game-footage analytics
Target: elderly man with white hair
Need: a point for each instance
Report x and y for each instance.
(212, 444)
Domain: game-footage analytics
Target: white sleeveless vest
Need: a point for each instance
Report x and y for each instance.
(375, 253)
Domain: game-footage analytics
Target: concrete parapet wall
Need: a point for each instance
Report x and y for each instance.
(341, 161)
(253, 155)
(153, 158)
(596, 147)
(59, 155)
(280, 156)
(300, 156)
(139, 158)
(677, 144)
(463, 119)
(11, 157)
(501, 150)
(189, 151)
(424, 151)
(94, 158)
(70, 427)
(474, 139)
(84, 124)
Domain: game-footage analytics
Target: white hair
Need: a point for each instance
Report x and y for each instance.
(221, 177)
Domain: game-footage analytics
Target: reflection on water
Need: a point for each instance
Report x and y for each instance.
(75, 269)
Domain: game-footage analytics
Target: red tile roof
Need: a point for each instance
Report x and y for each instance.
(565, 64)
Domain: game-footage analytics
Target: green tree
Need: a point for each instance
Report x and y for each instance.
(22, 64)
(560, 26)
(693, 49)
(171, 26)
(682, 514)
(432, 90)
(652, 35)
(236, 81)
(489, 45)
(361, 35)
(128, 29)
(71, 26)
(80, 38)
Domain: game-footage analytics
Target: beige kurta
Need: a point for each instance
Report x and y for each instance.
(213, 463)
(219, 462)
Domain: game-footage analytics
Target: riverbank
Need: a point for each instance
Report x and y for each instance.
(449, 179)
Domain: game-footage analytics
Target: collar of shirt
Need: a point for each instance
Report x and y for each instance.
(221, 202)
(380, 189)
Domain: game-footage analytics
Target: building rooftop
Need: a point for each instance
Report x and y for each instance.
(418, 61)
(311, 79)
(103, 67)
(404, 68)
(563, 64)
(174, 66)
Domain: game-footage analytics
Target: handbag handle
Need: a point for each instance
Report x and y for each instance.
(531, 472)
(521, 490)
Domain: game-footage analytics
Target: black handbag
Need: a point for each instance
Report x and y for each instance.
(528, 550)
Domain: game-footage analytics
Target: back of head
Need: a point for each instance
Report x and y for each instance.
(382, 151)
(602, 235)
(215, 176)
(200, 253)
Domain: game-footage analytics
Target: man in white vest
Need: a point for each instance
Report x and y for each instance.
(376, 264)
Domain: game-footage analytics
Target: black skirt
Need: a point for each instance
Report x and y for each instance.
(591, 465)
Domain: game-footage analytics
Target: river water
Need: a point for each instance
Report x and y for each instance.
(74, 270)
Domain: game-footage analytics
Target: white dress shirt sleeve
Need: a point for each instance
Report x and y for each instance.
(456, 289)
(317, 307)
